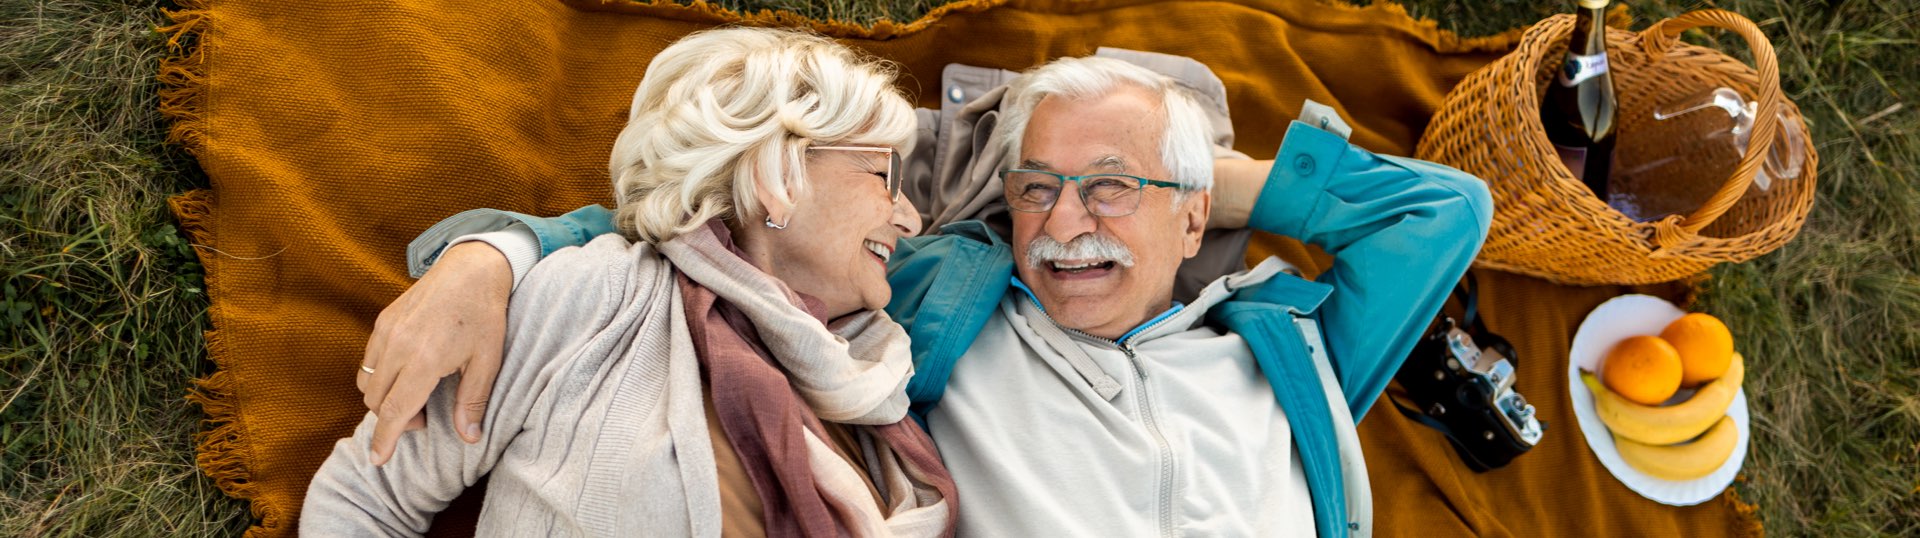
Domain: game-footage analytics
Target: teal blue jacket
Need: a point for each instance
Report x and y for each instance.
(1401, 231)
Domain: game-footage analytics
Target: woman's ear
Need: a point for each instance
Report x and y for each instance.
(778, 212)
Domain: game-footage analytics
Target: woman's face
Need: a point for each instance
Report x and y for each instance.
(841, 232)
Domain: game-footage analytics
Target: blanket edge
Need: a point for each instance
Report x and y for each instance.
(221, 445)
(182, 74)
(703, 11)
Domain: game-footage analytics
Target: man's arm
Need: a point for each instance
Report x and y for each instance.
(1236, 186)
(1401, 231)
(575, 228)
(1238, 180)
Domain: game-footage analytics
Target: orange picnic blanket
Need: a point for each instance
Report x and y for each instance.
(335, 132)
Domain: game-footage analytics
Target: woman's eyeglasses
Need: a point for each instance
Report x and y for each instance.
(893, 165)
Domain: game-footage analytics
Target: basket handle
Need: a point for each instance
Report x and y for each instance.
(1670, 232)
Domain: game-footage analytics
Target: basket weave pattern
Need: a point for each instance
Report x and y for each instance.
(1547, 224)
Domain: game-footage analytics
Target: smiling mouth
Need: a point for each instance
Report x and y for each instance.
(879, 250)
(1080, 268)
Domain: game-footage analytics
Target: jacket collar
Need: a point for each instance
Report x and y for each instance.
(1272, 281)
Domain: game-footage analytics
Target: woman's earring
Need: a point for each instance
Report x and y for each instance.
(770, 224)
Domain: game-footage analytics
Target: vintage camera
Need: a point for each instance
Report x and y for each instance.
(1465, 389)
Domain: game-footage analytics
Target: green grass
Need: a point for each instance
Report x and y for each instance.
(861, 11)
(102, 310)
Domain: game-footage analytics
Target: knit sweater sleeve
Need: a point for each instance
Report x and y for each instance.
(566, 300)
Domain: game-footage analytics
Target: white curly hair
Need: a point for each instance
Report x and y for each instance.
(721, 110)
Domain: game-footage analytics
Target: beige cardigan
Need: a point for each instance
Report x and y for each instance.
(597, 426)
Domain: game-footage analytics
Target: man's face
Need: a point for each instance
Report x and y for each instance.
(1115, 133)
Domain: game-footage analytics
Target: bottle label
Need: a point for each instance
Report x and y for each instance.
(1579, 68)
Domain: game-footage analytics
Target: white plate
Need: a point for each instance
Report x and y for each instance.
(1611, 322)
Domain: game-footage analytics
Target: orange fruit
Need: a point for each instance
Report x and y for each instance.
(1644, 369)
(1705, 346)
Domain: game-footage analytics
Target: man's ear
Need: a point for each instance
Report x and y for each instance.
(1194, 213)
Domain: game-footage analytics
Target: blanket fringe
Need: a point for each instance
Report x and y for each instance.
(222, 453)
(703, 11)
(1446, 41)
(1748, 513)
(707, 12)
(222, 450)
(183, 75)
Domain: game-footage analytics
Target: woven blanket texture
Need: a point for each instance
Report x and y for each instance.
(334, 132)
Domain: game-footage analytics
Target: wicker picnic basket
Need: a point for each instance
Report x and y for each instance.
(1548, 224)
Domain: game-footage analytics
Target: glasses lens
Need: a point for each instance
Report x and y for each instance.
(1031, 191)
(894, 166)
(1111, 196)
(894, 170)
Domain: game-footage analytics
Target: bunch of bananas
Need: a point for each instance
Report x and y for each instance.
(1655, 438)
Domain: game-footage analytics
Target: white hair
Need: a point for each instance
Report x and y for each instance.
(722, 110)
(1186, 146)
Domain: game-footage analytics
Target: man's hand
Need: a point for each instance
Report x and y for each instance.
(1236, 186)
(453, 320)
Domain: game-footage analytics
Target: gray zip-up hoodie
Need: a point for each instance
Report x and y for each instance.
(1172, 430)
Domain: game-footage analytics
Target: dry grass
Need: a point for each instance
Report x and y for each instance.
(102, 309)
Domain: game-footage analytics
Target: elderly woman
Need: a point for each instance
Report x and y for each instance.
(728, 371)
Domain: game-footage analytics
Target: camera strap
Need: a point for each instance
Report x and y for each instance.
(1473, 461)
(1469, 293)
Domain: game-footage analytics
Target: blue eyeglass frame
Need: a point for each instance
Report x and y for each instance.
(1144, 183)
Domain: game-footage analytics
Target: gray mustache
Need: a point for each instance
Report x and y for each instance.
(1044, 249)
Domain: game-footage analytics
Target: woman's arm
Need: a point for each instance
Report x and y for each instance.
(351, 496)
(567, 302)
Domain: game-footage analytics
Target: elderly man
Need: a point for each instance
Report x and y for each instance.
(1068, 391)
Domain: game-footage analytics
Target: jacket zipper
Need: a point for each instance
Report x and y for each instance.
(1165, 496)
(1166, 451)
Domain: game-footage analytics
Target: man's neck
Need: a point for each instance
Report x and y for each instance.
(1117, 330)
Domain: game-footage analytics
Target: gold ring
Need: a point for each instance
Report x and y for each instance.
(366, 369)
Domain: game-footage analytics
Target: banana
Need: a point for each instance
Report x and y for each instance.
(1683, 462)
(1666, 425)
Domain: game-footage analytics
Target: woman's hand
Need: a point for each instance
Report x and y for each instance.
(453, 320)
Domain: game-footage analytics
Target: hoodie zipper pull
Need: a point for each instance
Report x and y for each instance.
(1138, 369)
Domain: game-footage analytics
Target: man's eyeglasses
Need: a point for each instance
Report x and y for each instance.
(893, 165)
(1104, 195)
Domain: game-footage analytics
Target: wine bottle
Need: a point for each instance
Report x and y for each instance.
(1578, 108)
